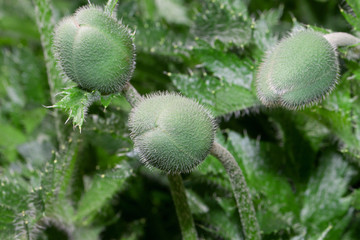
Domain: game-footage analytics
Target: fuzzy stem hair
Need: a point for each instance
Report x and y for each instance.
(250, 226)
(183, 212)
(131, 94)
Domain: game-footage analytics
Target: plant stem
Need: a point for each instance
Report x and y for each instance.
(341, 39)
(183, 212)
(131, 94)
(242, 196)
(177, 189)
(45, 23)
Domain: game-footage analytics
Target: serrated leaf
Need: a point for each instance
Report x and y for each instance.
(217, 20)
(102, 189)
(157, 38)
(353, 16)
(263, 35)
(13, 202)
(340, 114)
(277, 205)
(217, 95)
(226, 66)
(324, 202)
(76, 102)
(56, 177)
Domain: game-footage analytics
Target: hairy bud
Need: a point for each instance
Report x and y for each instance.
(94, 50)
(171, 132)
(301, 70)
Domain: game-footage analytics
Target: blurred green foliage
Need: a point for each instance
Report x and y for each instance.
(302, 167)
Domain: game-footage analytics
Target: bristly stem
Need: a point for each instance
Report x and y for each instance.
(131, 94)
(341, 39)
(110, 6)
(183, 212)
(177, 189)
(45, 23)
(241, 193)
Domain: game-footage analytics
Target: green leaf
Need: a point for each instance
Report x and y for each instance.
(22, 79)
(13, 206)
(324, 202)
(229, 89)
(212, 173)
(277, 205)
(219, 96)
(264, 26)
(196, 204)
(239, 6)
(102, 189)
(14, 138)
(338, 229)
(356, 199)
(352, 16)
(295, 138)
(156, 38)
(87, 233)
(45, 23)
(76, 102)
(17, 23)
(221, 226)
(106, 100)
(339, 112)
(217, 20)
(56, 178)
(109, 7)
(36, 153)
(226, 66)
(173, 11)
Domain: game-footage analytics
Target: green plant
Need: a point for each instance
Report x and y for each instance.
(95, 51)
(301, 69)
(172, 133)
(270, 173)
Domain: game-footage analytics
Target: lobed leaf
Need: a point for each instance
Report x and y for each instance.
(217, 95)
(76, 102)
(222, 21)
(102, 189)
(324, 203)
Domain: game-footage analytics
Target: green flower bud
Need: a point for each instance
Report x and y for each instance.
(171, 132)
(95, 50)
(301, 70)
